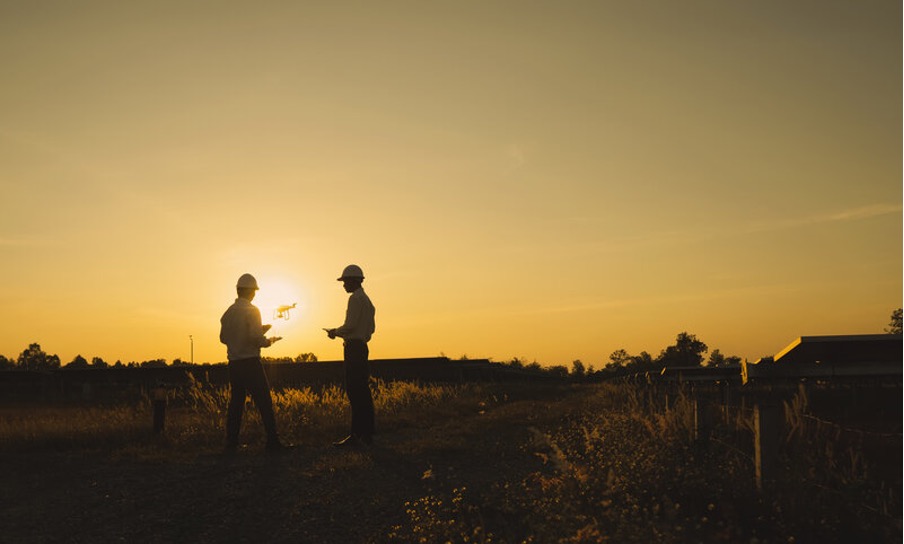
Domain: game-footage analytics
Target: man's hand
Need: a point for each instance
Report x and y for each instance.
(331, 333)
(274, 339)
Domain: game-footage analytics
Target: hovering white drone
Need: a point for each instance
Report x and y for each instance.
(282, 312)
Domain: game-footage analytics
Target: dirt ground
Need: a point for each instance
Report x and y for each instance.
(558, 465)
(310, 493)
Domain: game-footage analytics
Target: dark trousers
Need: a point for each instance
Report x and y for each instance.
(357, 376)
(246, 376)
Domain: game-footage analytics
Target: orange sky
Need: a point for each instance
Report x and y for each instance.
(550, 181)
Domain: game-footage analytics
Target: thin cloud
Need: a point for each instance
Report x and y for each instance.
(473, 313)
(853, 214)
(646, 240)
(866, 212)
(662, 300)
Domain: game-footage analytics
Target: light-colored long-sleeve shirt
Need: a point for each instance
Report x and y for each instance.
(241, 331)
(359, 318)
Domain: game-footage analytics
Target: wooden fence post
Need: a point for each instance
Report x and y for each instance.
(725, 395)
(705, 408)
(768, 419)
(158, 396)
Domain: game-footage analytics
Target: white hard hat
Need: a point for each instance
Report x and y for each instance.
(246, 281)
(351, 271)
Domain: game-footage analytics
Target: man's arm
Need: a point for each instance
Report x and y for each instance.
(256, 329)
(225, 327)
(352, 316)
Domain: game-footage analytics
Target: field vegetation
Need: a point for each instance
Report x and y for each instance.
(452, 463)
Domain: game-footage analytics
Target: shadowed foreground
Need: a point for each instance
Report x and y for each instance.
(568, 465)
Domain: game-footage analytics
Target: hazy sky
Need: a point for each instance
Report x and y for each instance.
(546, 180)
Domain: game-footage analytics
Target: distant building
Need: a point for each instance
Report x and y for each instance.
(857, 349)
(858, 355)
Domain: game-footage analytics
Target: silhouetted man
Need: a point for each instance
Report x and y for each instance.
(243, 334)
(359, 326)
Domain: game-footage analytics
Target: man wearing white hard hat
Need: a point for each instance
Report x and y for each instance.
(359, 326)
(242, 332)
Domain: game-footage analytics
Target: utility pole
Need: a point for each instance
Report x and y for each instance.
(192, 340)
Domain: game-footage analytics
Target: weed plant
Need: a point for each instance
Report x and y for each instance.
(627, 467)
(852, 477)
(614, 463)
(195, 417)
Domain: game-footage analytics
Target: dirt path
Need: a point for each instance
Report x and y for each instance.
(311, 493)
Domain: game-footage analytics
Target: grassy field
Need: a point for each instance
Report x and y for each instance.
(468, 463)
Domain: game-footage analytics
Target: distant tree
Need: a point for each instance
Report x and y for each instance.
(97, 362)
(6, 364)
(621, 362)
(559, 371)
(272, 360)
(644, 361)
(716, 358)
(638, 363)
(34, 358)
(78, 362)
(179, 362)
(306, 358)
(687, 351)
(154, 363)
(577, 369)
(894, 326)
(618, 359)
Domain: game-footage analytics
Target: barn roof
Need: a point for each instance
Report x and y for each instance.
(843, 349)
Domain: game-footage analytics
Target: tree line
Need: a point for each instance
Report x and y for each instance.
(687, 351)
(34, 358)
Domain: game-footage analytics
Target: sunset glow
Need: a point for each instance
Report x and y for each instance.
(544, 181)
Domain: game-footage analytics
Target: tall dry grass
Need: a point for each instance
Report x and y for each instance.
(607, 470)
(616, 463)
(627, 466)
(195, 417)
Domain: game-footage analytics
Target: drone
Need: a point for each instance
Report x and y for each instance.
(282, 312)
